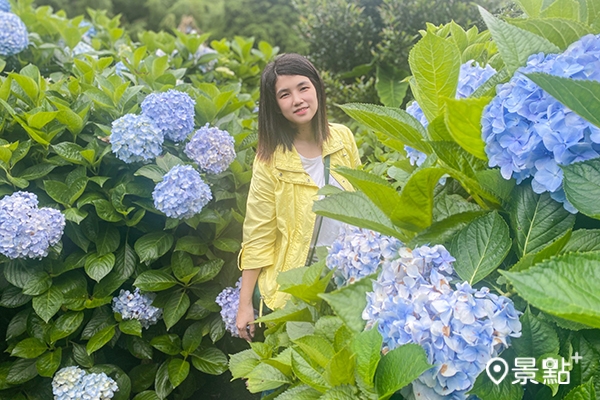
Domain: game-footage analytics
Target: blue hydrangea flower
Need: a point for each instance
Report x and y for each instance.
(528, 133)
(460, 328)
(120, 68)
(73, 383)
(172, 112)
(82, 48)
(357, 253)
(229, 301)
(4, 6)
(182, 193)
(470, 77)
(137, 306)
(212, 148)
(90, 33)
(25, 229)
(13, 34)
(135, 138)
(202, 51)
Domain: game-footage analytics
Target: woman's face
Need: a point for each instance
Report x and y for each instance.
(297, 99)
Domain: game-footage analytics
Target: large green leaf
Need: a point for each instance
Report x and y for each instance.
(175, 308)
(480, 247)
(537, 338)
(515, 45)
(48, 363)
(317, 348)
(265, 377)
(305, 283)
(390, 86)
(567, 286)
(209, 360)
(583, 240)
(356, 209)
(381, 193)
(307, 374)
(562, 32)
(349, 302)
(48, 304)
(582, 186)
(443, 231)
(435, 64)
(463, 118)
(395, 371)
(536, 220)
(581, 96)
(583, 392)
(562, 8)
(415, 210)
(97, 266)
(102, 337)
(393, 122)
(65, 325)
(168, 344)
(108, 240)
(485, 389)
(532, 8)
(153, 245)
(29, 348)
(179, 369)
(154, 281)
(367, 347)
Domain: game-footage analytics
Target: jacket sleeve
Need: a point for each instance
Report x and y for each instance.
(260, 224)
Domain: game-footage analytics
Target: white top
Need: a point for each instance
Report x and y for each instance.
(330, 228)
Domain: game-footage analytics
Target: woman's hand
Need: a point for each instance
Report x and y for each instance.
(244, 319)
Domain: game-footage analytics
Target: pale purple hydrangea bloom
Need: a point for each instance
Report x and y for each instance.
(82, 48)
(528, 133)
(120, 68)
(460, 328)
(13, 34)
(73, 383)
(27, 231)
(357, 253)
(212, 149)
(4, 6)
(137, 306)
(90, 33)
(202, 51)
(470, 78)
(135, 138)
(172, 112)
(229, 301)
(182, 193)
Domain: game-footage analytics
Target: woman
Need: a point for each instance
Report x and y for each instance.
(295, 144)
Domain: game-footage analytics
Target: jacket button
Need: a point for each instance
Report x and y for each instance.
(280, 174)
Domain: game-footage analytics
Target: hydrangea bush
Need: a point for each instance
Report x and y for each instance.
(95, 276)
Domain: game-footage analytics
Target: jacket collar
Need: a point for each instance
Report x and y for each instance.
(290, 160)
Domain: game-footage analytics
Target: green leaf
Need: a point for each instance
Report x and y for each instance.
(415, 211)
(209, 360)
(300, 392)
(108, 240)
(192, 245)
(97, 266)
(131, 327)
(29, 348)
(463, 118)
(348, 303)
(583, 240)
(21, 371)
(208, 270)
(18, 324)
(536, 220)
(356, 209)
(390, 86)
(582, 392)
(480, 247)
(169, 344)
(307, 374)
(106, 210)
(289, 313)
(183, 266)
(70, 152)
(65, 325)
(192, 337)
(154, 281)
(562, 32)
(176, 306)
(37, 283)
(75, 215)
(538, 337)
(393, 122)
(317, 348)
(227, 244)
(435, 64)
(153, 245)
(48, 363)
(147, 395)
(48, 304)
(142, 376)
(102, 337)
(37, 171)
(582, 187)
(81, 356)
(305, 283)
(29, 86)
(515, 45)
(340, 369)
(485, 389)
(242, 363)
(64, 194)
(531, 7)
(367, 347)
(394, 372)
(562, 8)
(152, 172)
(567, 286)
(265, 377)
(178, 370)
(162, 384)
(377, 189)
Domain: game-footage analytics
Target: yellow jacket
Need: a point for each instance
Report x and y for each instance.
(279, 218)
